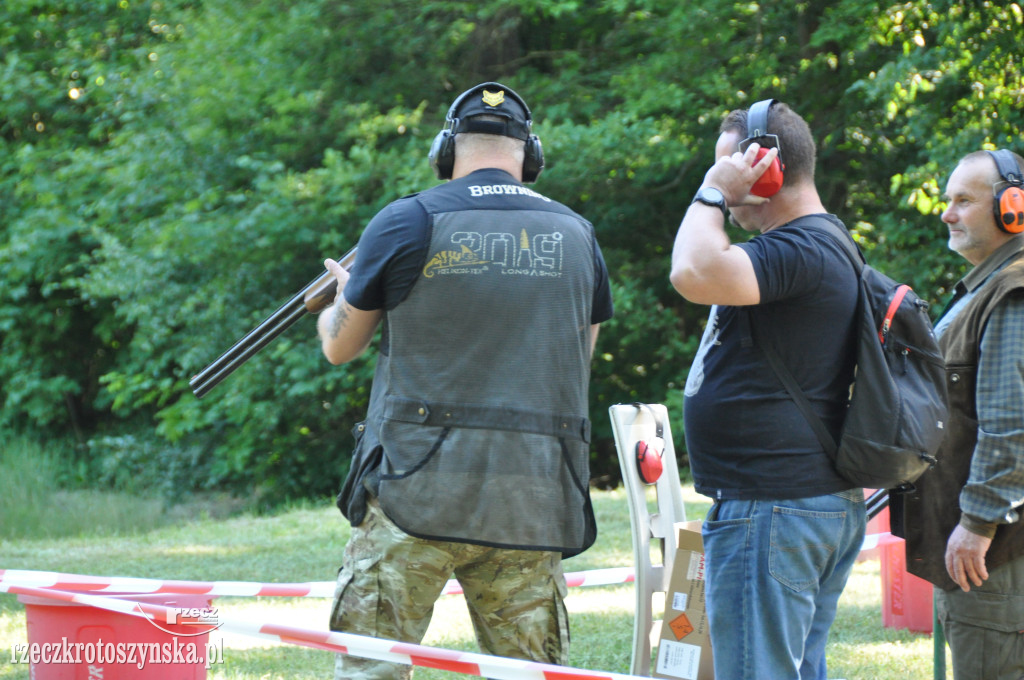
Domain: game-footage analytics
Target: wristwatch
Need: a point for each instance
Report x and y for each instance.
(713, 197)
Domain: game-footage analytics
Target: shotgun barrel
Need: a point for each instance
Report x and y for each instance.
(877, 502)
(313, 298)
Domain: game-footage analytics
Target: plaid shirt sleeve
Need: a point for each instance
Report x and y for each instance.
(994, 492)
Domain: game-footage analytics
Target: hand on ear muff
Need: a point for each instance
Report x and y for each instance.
(770, 181)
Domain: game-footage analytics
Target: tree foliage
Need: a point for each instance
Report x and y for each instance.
(172, 171)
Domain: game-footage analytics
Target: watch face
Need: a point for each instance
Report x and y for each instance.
(713, 197)
(713, 194)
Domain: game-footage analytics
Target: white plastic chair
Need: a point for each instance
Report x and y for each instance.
(632, 423)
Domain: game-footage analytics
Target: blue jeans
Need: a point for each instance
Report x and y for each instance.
(775, 570)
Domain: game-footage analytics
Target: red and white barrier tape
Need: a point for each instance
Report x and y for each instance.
(344, 643)
(55, 585)
(125, 584)
(122, 584)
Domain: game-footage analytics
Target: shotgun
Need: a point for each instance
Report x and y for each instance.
(877, 502)
(314, 298)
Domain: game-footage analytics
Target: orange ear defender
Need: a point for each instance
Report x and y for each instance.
(1009, 200)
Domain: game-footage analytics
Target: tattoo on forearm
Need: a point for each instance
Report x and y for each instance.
(340, 317)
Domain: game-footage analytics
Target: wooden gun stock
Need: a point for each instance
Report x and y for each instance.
(316, 296)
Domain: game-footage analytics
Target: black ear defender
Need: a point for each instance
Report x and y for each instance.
(1008, 205)
(648, 454)
(769, 183)
(487, 99)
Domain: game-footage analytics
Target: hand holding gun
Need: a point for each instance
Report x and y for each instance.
(316, 296)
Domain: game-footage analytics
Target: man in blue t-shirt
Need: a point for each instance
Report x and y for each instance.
(473, 460)
(785, 529)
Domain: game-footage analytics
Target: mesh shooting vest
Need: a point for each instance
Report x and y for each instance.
(480, 404)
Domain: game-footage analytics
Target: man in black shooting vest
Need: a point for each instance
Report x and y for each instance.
(473, 459)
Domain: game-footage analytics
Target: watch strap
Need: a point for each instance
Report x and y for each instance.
(701, 197)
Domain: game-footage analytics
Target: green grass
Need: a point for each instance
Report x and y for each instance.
(45, 527)
(304, 543)
(33, 503)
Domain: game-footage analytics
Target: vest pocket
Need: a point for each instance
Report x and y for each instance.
(405, 458)
(487, 487)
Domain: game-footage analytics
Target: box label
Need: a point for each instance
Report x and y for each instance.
(681, 626)
(678, 659)
(695, 571)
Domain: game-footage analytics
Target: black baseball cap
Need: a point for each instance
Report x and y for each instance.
(491, 99)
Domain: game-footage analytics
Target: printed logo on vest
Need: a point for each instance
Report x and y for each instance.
(477, 190)
(476, 253)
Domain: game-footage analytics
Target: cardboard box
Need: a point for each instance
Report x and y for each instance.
(684, 651)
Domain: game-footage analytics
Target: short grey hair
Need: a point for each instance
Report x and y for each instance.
(474, 143)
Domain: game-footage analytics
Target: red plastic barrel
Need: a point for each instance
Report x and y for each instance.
(70, 641)
(906, 599)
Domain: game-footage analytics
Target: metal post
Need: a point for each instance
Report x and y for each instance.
(938, 644)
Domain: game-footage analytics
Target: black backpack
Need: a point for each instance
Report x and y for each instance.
(897, 412)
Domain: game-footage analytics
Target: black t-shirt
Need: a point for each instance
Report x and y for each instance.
(745, 436)
(393, 247)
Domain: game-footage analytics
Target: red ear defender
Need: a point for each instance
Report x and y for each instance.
(769, 183)
(648, 453)
(648, 461)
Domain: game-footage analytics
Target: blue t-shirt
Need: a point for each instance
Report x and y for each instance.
(745, 436)
(393, 249)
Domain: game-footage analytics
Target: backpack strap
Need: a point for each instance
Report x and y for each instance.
(897, 300)
(842, 236)
(839, 234)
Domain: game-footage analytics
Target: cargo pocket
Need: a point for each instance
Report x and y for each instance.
(561, 655)
(357, 597)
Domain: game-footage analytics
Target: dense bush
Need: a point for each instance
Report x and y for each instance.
(172, 171)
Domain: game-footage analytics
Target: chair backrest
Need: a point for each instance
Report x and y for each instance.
(631, 424)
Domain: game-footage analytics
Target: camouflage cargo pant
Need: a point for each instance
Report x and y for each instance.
(389, 582)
